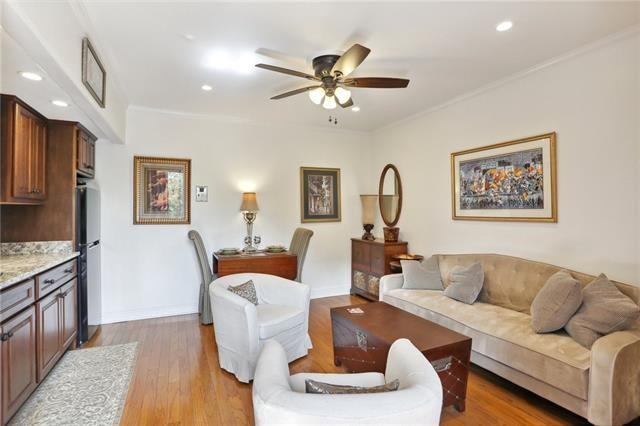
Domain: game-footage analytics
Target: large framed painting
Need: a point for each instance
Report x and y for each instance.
(94, 77)
(320, 194)
(161, 191)
(509, 181)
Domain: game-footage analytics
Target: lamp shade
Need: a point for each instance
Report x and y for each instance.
(369, 204)
(249, 202)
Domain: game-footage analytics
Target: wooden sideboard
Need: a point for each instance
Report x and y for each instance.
(369, 262)
(284, 265)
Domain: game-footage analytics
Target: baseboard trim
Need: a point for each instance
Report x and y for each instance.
(169, 311)
(336, 290)
(147, 313)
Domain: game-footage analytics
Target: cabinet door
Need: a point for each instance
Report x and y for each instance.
(360, 255)
(85, 152)
(38, 159)
(49, 332)
(17, 360)
(22, 186)
(378, 260)
(69, 310)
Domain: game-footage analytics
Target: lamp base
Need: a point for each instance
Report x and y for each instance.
(368, 236)
(391, 234)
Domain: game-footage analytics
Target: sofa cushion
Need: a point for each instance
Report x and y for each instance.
(421, 275)
(556, 302)
(465, 283)
(505, 336)
(274, 319)
(604, 310)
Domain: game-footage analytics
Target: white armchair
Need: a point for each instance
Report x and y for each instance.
(281, 399)
(241, 328)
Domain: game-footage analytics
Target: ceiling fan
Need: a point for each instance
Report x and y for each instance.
(330, 72)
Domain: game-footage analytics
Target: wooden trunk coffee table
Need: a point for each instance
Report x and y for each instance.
(361, 343)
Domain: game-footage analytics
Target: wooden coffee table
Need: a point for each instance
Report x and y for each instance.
(361, 343)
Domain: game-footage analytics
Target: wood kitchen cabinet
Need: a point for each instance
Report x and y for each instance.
(38, 323)
(370, 262)
(23, 153)
(85, 152)
(17, 361)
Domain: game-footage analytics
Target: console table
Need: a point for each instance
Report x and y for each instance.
(284, 264)
(369, 262)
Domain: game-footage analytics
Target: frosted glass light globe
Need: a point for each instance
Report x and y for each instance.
(329, 102)
(316, 95)
(342, 94)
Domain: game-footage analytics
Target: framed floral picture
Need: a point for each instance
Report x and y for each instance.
(161, 191)
(509, 181)
(320, 194)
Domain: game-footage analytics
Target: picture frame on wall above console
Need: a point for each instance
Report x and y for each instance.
(161, 191)
(94, 76)
(320, 197)
(508, 181)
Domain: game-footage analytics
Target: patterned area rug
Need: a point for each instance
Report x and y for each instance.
(87, 387)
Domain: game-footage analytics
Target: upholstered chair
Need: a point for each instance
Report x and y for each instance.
(299, 245)
(241, 328)
(281, 399)
(204, 306)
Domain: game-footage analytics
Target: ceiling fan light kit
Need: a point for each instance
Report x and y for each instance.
(331, 72)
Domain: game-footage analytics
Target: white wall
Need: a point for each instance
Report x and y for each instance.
(591, 101)
(151, 271)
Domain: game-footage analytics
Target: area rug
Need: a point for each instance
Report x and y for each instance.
(87, 387)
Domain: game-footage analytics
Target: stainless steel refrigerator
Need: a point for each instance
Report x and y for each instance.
(88, 237)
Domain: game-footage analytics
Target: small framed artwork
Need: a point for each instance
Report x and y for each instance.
(509, 181)
(161, 191)
(94, 77)
(320, 194)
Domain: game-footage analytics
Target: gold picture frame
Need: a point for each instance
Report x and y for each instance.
(512, 181)
(161, 191)
(320, 195)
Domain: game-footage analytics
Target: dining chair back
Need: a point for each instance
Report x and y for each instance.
(299, 245)
(204, 306)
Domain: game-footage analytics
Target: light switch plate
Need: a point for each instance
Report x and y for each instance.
(202, 193)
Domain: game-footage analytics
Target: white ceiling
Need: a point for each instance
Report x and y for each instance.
(446, 49)
(37, 94)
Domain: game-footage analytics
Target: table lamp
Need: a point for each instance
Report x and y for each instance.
(249, 209)
(369, 204)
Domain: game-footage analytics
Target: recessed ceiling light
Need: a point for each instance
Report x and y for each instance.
(355, 109)
(31, 75)
(206, 88)
(59, 103)
(504, 26)
(189, 37)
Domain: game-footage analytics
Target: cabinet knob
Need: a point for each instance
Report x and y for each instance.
(6, 336)
(68, 270)
(49, 281)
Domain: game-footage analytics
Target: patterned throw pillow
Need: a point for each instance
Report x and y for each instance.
(246, 291)
(313, 386)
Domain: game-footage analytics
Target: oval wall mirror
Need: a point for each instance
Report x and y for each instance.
(390, 199)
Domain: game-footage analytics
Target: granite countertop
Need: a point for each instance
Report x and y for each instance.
(18, 267)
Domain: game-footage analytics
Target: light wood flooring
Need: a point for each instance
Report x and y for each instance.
(178, 381)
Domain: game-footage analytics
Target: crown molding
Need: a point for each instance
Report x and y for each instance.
(612, 38)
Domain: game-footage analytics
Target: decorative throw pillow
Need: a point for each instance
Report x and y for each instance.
(604, 310)
(556, 302)
(465, 283)
(246, 291)
(421, 276)
(313, 386)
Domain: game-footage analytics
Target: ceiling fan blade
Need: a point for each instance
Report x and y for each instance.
(377, 82)
(350, 60)
(347, 104)
(287, 71)
(294, 92)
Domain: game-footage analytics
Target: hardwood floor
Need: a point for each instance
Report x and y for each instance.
(178, 380)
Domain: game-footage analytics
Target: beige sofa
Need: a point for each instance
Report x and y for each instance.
(601, 384)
